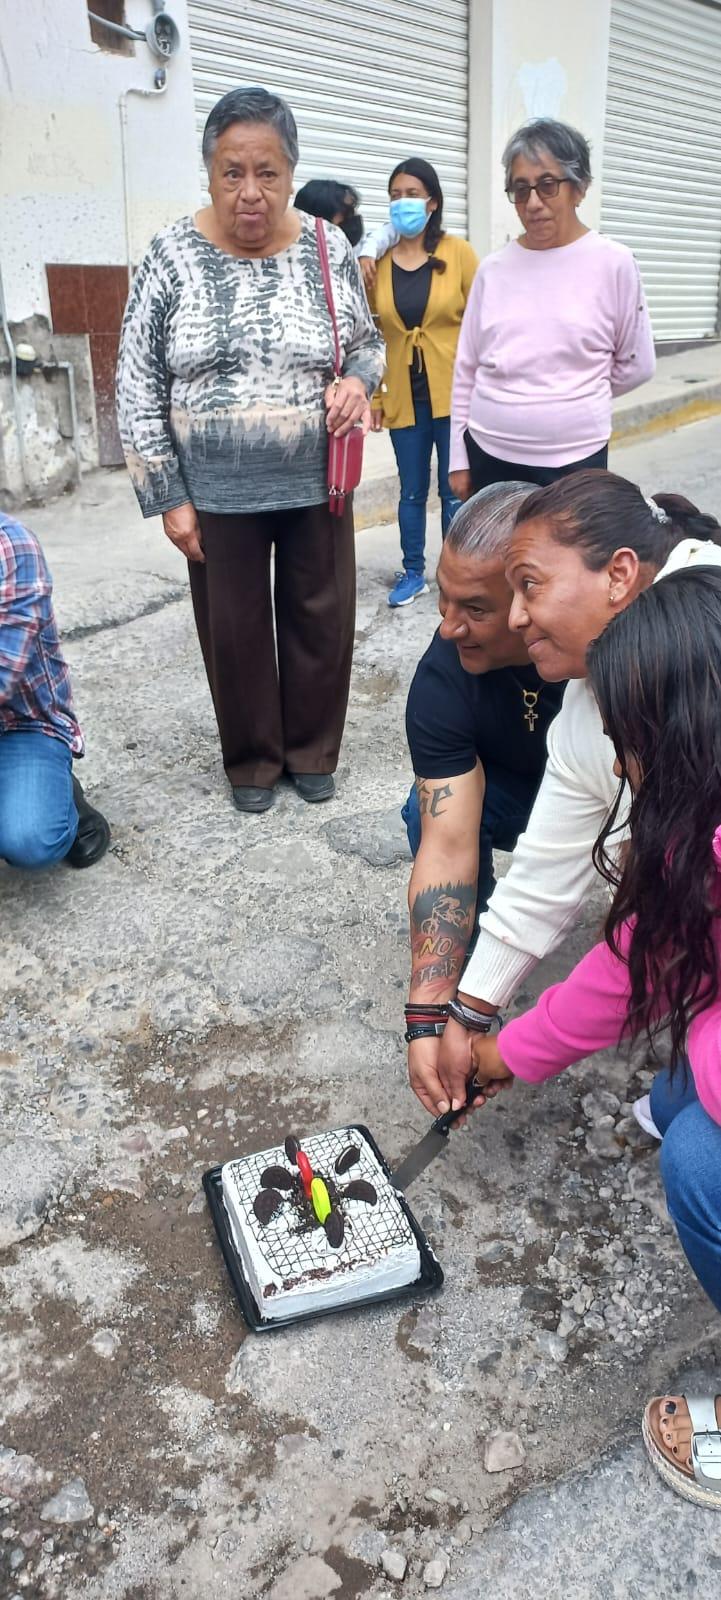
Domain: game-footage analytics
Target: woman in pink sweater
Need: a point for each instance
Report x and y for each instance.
(555, 327)
(656, 675)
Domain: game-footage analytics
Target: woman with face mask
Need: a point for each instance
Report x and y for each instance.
(419, 297)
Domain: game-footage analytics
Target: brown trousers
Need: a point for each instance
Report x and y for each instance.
(281, 707)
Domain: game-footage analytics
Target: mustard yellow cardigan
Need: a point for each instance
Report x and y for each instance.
(437, 336)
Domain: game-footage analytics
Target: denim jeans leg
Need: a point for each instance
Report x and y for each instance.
(690, 1162)
(38, 818)
(413, 447)
(411, 815)
(449, 503)
(669, 1095)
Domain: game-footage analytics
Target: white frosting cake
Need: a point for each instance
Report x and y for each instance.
(289, 1261)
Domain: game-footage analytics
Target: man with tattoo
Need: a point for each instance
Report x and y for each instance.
(476, 721)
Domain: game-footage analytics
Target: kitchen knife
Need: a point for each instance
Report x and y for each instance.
(430, 1146)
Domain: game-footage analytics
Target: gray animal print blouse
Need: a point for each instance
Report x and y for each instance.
(222, 369)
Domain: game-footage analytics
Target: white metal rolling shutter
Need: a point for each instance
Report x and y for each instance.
(369, 83)
(662, 158)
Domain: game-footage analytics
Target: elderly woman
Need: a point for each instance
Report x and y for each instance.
(556, 326)
(226, 399)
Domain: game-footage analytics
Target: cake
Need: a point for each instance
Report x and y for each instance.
(318, 1226)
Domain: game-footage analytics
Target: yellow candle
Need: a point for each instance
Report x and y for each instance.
(321, 1200)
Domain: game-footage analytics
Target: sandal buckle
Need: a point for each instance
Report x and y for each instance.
(706, 1453)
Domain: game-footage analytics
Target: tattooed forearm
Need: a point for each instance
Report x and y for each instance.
(431, 797)
(441, 923)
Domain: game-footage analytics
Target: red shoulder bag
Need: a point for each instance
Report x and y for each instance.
(345, 456)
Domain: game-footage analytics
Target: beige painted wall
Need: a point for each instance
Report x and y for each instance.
(61, 179)
(529, 59)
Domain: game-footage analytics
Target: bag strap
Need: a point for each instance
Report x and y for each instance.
(328, 286)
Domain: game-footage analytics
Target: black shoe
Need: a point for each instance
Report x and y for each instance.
(313, 786)
(93, 835)
(248, 798)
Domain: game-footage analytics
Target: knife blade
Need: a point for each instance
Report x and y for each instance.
(432, 1143)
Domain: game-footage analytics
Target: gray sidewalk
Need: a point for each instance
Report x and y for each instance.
(116, 568)
(216, 982)
(686, 387)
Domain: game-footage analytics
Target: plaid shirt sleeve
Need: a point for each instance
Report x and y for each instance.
(24, 590)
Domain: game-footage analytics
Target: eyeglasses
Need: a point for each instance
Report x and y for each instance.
(547, 188)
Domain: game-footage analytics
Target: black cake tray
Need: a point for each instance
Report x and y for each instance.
(430, 1278)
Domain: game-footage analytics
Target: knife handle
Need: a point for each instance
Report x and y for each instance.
(444, 1123)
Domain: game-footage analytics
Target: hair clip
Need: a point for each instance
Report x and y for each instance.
(657, 512)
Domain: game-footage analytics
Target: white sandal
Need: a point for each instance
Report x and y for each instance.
(642, 1112)
(698, 1478)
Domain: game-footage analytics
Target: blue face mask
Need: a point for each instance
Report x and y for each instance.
(409, 217)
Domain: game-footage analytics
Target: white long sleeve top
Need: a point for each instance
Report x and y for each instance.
(544, 892)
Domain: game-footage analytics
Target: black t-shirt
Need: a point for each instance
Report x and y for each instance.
(454, 718)
(410, 292)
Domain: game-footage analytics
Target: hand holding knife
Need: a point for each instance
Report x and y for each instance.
(435, 1140)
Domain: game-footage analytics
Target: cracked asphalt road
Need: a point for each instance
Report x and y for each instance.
(216, 982)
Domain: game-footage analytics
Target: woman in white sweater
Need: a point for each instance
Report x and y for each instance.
(582, 550)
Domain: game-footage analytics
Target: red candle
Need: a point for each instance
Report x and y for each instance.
(306, 1171)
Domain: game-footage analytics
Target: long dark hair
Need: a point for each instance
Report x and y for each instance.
(416, 167)
(598, 512)
(325, 197)
(656, 674)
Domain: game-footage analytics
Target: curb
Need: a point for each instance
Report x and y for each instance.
(671, 411)
(377, 502)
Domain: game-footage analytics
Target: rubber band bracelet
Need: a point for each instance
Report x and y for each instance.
(474, 1021)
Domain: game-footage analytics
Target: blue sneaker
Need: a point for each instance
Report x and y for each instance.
(407, 587)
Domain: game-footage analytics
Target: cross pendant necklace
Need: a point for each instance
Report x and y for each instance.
(530, 701)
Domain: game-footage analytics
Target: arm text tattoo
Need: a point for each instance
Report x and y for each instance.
(441, 923)
(430, 799)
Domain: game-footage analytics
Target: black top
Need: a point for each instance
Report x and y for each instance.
(410, 292)
(454, 718)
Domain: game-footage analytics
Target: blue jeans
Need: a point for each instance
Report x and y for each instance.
(38, 818)
(507, 806)
(414, 448)
(691, 1170)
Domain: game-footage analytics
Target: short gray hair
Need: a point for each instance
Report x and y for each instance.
(484, 526)
(558, 139)
(251, 105)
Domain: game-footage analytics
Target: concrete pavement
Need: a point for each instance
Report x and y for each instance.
(685, 388)
(214, 983)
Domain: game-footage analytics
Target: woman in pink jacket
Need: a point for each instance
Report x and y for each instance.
(656, 675)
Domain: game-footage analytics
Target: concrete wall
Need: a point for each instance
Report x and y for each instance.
(530, 60)
(62, 195)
